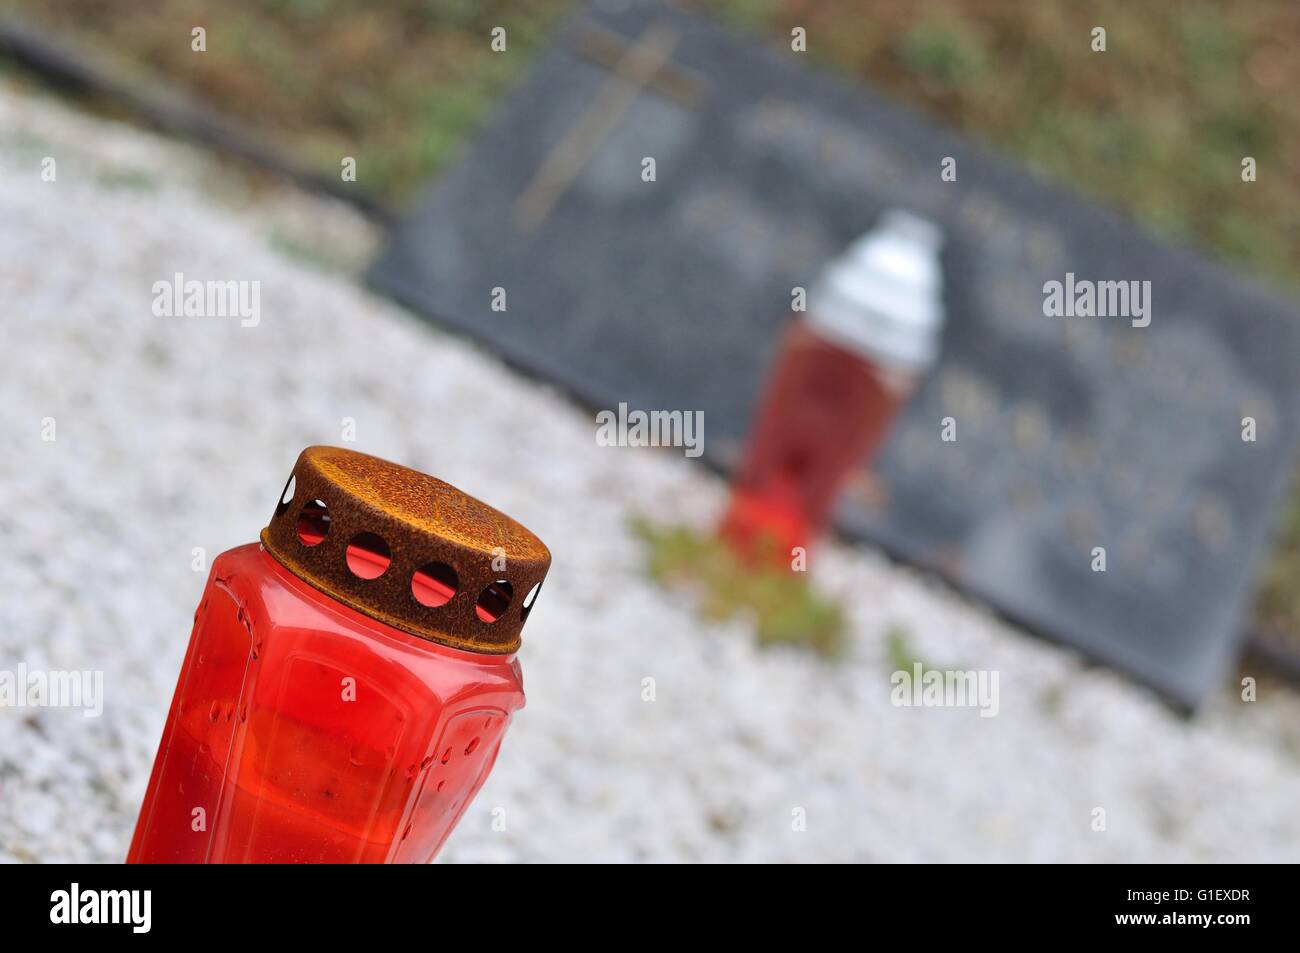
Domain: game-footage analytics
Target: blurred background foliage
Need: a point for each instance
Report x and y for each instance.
(1156, 126)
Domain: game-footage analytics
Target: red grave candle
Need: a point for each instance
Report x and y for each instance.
(349, 678)
(838, 380)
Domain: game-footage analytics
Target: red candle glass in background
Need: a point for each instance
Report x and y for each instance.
(349, 678)
(839, 378)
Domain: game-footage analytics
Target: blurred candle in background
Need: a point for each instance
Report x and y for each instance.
(841, 374)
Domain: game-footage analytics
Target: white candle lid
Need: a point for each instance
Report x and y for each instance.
(884, 296)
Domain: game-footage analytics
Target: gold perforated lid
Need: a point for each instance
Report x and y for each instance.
(407, 549)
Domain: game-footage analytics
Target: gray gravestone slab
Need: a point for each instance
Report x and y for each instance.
(1072, 432)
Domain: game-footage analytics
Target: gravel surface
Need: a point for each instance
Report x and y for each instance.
(176, 433)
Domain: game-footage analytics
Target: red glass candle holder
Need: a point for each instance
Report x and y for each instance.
(840, 376)
(349, 678)
(822, 413)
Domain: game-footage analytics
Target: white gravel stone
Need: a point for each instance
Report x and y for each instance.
(175, 433)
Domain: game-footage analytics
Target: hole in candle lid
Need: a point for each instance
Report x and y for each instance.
(529, 600)
(313, 523)
(286, 497)
(368, 555)
(434, 584)
(494, 600)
